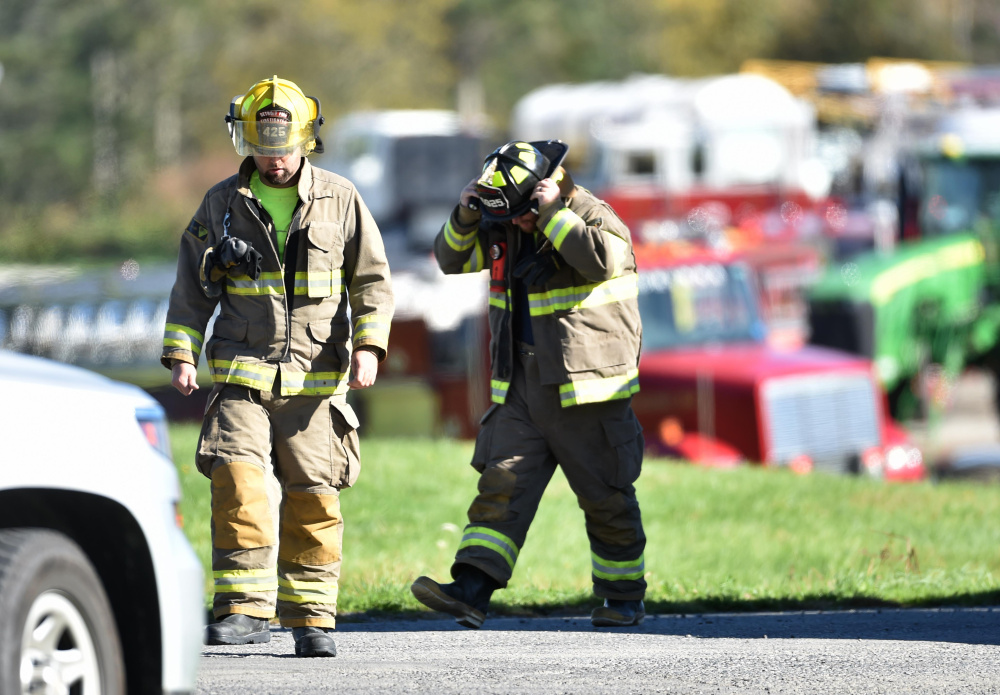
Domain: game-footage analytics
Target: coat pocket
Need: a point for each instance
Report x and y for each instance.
(345, 446)
(229, 327)
(330, 344)
(324, 258)
(588, 354)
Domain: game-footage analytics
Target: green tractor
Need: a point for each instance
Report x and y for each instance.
(931, 307)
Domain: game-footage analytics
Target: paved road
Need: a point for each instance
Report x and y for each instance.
(857, 652)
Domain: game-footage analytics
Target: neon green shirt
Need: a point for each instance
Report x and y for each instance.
(280, 205)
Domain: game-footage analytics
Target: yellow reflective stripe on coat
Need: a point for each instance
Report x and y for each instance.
(255, 376)
(611, 570)
(608, 292)
(372, 330)
(176, 335)
(498, 390)
(500, 299)
(492, 540)
(476, 260)
(332, 280)
(307, 592)
(456, 240)
(559, 226)
(619, 248)
(599, 390)
(313, 383)
(245, 581)
(267, 284)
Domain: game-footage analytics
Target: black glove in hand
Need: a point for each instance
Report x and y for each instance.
(538, 268)
(237, 257)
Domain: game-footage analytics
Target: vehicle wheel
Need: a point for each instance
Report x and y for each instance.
(57, 632)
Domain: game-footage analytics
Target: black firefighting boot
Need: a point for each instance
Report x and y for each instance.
(616, 613)
(237, 628)
(467, 598)
(314, 641)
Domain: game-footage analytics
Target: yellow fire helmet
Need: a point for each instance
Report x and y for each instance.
(273, 119)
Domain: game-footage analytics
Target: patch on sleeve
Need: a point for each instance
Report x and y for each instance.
(197, 229)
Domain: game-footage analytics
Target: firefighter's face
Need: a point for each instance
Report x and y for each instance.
(526, 222)
(279, 171)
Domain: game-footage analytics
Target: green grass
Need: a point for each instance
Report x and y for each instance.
(747, 539)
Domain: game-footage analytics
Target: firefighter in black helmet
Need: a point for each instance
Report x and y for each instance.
(565, 331)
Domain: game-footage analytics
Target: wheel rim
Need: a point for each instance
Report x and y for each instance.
(58, 656)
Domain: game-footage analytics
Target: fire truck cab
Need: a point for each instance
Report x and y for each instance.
(716, 392)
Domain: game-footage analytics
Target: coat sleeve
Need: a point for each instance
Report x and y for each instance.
(369, 287)
(190, 308)
(590, 237)
(460, 246)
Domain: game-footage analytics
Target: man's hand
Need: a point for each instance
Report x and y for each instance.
(364, 368)
(184, 378)
(546, 192)
(469, 197)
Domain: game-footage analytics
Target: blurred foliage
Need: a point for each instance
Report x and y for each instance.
(111, 111)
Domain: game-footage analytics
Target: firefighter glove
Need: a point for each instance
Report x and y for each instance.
(538, 267)
(233, 256)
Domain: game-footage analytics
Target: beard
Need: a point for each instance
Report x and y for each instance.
(277, 178)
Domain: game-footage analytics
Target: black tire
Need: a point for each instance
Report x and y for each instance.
(54, 618)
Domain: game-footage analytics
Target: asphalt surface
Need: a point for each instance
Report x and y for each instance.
(857, 652)
(926, 652)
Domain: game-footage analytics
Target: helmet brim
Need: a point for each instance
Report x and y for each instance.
(554, 150)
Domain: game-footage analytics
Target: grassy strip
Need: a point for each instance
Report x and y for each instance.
(749, 539)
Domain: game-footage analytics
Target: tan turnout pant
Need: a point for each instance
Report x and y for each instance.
(277, 465)
(599, 447)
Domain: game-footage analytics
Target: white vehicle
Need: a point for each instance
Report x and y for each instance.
(409, 165)
(100, 591)
(679, 135)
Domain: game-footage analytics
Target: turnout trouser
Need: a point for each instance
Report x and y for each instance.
(277, 465)
(599, 447)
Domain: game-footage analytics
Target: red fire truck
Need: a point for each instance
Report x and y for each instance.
(716, 392)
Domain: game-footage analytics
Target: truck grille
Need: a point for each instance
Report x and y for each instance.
(831, 419)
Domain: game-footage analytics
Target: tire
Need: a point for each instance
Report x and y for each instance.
(57, 630)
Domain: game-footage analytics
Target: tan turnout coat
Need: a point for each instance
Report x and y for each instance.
(300, 320)
(585, 319)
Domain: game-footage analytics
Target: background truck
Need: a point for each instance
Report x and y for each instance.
(716, 392)
(409, 166)
(727, 162)
(931, 307)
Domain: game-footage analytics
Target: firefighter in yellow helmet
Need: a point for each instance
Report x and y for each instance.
(565, 328)
(291, 258)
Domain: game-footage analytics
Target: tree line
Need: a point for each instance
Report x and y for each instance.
(111, 111)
